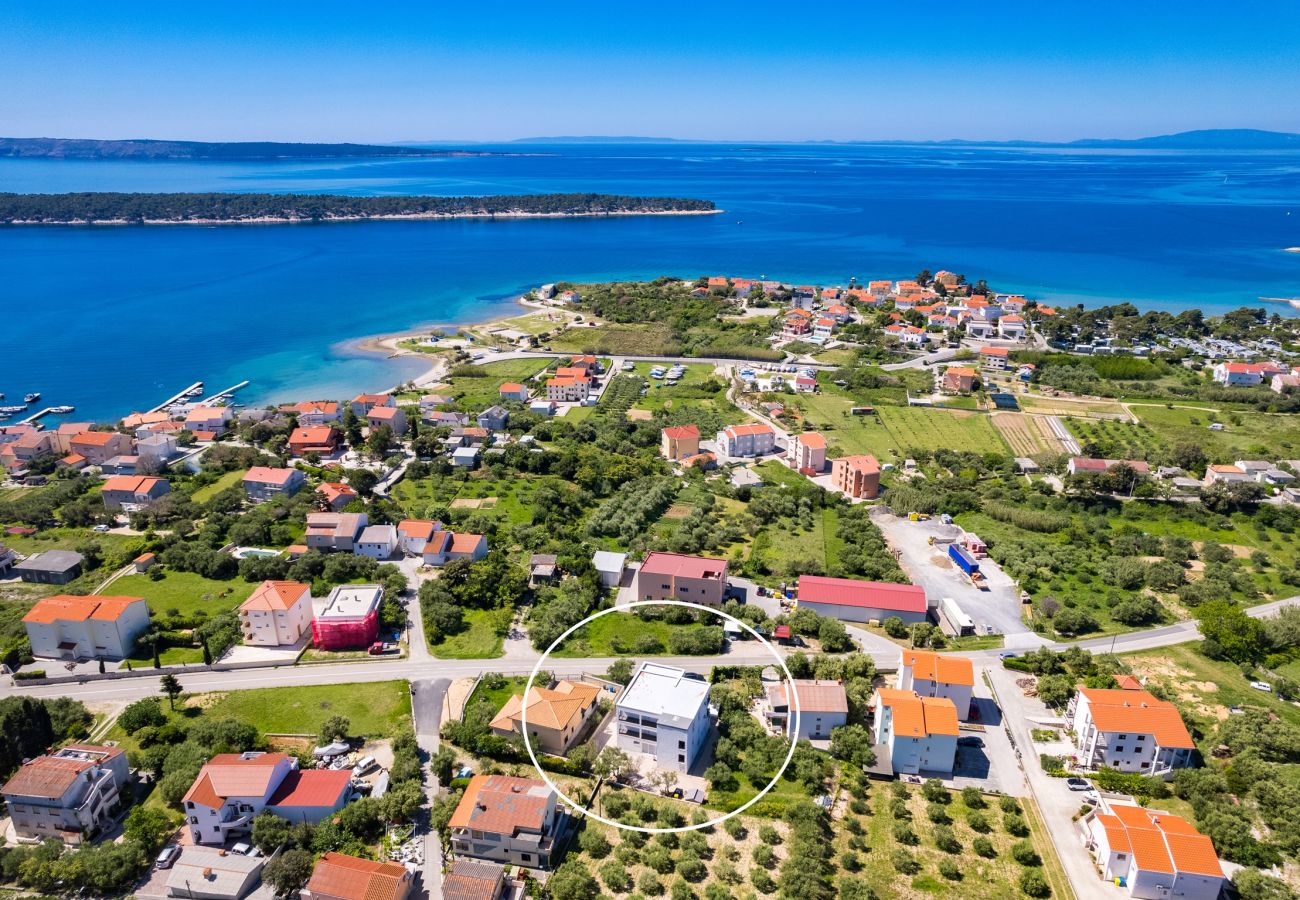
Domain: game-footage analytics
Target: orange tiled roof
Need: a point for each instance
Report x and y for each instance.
(677, 432)
(67, 608)
(351, 878)
(919, 716)
(501, 804)
(132, 484)
(939, 667)
(812, 439)
(465, 543)
(230, 775)
(1139, 712)
(549, 707)
(275, 595)
(754, 428)
(420, 529)
(95, 438)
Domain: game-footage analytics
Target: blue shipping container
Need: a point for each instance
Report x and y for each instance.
(964, 560)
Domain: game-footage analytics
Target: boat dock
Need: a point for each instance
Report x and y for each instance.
(34, 417)
(222, 395)
(176, 397)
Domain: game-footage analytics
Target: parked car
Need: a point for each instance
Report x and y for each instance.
(168, 857)
(1078, 784)
(243, 849)
(1262, 686)
(100, 529)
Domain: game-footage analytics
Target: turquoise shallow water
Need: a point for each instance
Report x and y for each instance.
(112, 319)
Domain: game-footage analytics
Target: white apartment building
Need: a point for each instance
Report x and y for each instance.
(919, 732)
(1152, 854)
(754, 439)
(938, 675)
(1129, 730)
(277, 614)
(69, 794)
(89, 627)
(665, 714)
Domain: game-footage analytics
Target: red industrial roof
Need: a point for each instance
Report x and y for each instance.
(870, 594)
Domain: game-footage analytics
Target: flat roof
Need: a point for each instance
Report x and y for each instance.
(666, 693)
(351, 601)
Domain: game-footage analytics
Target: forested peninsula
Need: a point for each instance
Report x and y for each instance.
(220, 208)
(89, 148)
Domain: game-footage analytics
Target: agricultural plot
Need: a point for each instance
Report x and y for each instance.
(1025, 435)
(1058, 406)
(1114, 439)
(935, 429)
(1245, 434)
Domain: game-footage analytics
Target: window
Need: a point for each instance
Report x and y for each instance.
(681, 745)
(681, 758)
(1123, 737)
(1119, 749)
(1141, 738)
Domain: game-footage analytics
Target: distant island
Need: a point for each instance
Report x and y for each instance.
(228, 209)
(81, 148)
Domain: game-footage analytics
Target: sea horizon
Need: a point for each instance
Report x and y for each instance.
(285, 306)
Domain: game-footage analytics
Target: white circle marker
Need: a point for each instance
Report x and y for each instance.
(582, 810)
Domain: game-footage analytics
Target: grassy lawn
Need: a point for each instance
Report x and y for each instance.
(482, 638)
(1058, 406)
(893, 431)
(1204, 687)
(476, 393)
(184, 591)
(494, 691)
(172, 656)
(70, 539)
(227, 480)
(785, 791)
(632, 340)
(508, 499)
(376, 709)
(618, 635)
(1246, 433)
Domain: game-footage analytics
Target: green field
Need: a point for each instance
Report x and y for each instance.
(1247, 434)
(617, 635)
(893, 431)
(375, 709)
(509, 499)
(475, 394)
(227, 480)
(616, 339)
(482, 638)
(184, 591)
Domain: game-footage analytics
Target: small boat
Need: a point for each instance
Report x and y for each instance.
(12, 409)
(32, 397)
(62, 410)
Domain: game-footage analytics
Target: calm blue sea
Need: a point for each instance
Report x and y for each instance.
(115, 319)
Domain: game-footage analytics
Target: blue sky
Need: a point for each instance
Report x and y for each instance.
(392, 71)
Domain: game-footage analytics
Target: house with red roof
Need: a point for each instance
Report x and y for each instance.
(362, 404)
(676, 576)
(317, 412)
(960, 379)
(68, 795)
(98, 447)
(509, 820)
(392, 416)
(133, 491)
(749, 440)
(513, 390)
(807, 452)
(212, 419)
(334, 495)
(320, 439)
(233, 788)
(997, 358)
(932, 674)
(414, 535)
(857, 476)
(1242, 374)
(920, 733)
(445, 546)
(1152, 853)
(1011, 327)
(276, 614)
(679, 441)
(85, 627)
(853, 600)
(262, 483)
(823, 705)
(338, 876)
(1129, 730)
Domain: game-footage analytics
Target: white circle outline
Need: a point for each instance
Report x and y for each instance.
(637, 604)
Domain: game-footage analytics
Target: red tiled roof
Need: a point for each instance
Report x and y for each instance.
(419, 529)
(939, 667)
(812, 439)
(269, 475)
(1138, 712)
(677, 432)
(465, 543)
(502, 804)
(352, 878)
(132, 484)
(313, 788)
(870, 594)
(230, 775)
(275, 595)
(67, 608)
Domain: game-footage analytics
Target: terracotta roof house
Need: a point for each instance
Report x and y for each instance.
(277, 613)
(391, 416)
(446, 546)
(932, 674)
(85, 627)
(753, 439)
(320, 439)
(336, 495)
(265, 483)
(413, 535)
(509, 820)
(857, 476)
(679, 441)
(854, 600)
(919, 732)
(676, 576)
(1152, 853)
(513, 390)
(233, 788)
(100, 446)
(68, 794)
(807, 452)
(557, 715)
(317, 412)
(341, 877)
(960, 379)
(823, 705)
(133, 491)
(1129, 730)
(362, 404)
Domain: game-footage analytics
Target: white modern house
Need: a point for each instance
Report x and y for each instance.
(664, 713)
(609, 566)
(823, 705)
(931, 674)
(1129, 730)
